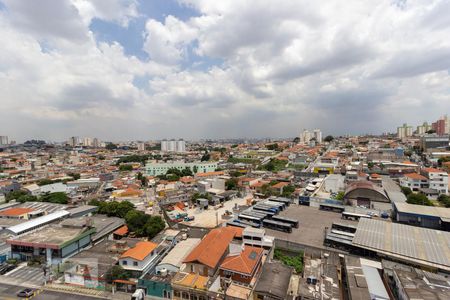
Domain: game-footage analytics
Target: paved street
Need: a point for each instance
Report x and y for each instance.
(27, 274)
(8, 292)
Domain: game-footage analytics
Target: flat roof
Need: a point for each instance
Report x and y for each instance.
(20, 228)
(440, 212)
(418, 245)
(52, 236)
(179, 252)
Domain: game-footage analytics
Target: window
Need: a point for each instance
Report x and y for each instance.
(124, 262)
(135, 263)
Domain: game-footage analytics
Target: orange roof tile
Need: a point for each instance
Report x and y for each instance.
(245, 262)
(213, 246)
(415, 176)
(214, 173)
(280, 185)
(122, 230)
(432, 170)
(17, 211)
(140, 251)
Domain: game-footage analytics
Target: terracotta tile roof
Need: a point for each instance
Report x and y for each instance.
(140, 251)
(122, 230)
(245, 262)
(193, 280)
(213, 246)
(280, 185)
(415, 176)
(432, 170)
(17, 211)
(214, 173)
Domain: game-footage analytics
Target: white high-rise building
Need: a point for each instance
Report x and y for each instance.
(422, 129)
(164, 145)
(172, 145)
(404, 131)
(305, 137)
(141, 146)
(181, 145)
(95, 143)
(4, 140)
(317, 135)
(74, 141)
(87, 142)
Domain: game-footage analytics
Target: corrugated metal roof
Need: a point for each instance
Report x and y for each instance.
(426, 246)
(20, 228)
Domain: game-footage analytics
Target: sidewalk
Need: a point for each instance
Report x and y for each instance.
(77, 290)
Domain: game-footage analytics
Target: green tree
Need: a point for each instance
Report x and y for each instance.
(57, 197)
(340, 196)
(111, 146)
(27, 198)
(195, 169)
(418, 199)
(288, 190)
(125, 168)
(123, 208)
(153, 226)
(15, 195)
(75, 176)
(117, 272)
(231, 184)
(444, 200)
(328, 138)
(296, 140)
(206, 157)
(406, 190)
(272, 146)
(136, 221)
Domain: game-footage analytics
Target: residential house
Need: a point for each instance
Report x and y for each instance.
(138, 258)
(414, 181)
(242, 264)
(437, 179)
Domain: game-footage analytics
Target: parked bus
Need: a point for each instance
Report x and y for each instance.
(235, 224)
(354, 216)
(252, 219)
(264, 210)
(344, 227)
(286, 201)
(332, 207)
(280, 226)
(293, 222)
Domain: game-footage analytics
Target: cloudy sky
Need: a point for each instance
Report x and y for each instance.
(149, 69)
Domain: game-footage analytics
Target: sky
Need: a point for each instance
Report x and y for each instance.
(152, 69)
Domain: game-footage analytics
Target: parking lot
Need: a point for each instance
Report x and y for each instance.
(312, 223)
(212, 217)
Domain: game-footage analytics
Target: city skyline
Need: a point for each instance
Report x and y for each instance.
(132, 70)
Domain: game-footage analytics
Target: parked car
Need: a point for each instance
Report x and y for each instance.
(25, 293)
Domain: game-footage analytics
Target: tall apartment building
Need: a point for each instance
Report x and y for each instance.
(87, 142)
(73, 141)
(3, 140)
(164, 145)
(173, 145)
(141, 146)
(95, 143)
(305, 136)
(404, 131)
(422, 129)
(181, 146)
(317, 134)
(442, 126)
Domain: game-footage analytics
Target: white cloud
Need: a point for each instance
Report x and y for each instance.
(238, 68)
(167, 43)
